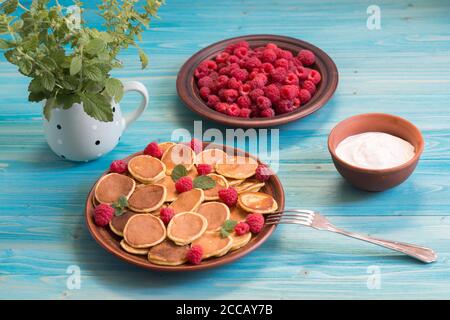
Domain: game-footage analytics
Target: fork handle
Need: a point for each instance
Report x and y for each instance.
(421, 253)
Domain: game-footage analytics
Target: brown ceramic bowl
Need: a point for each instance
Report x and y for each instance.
(379, 179)
(110, 241)
(189, 93)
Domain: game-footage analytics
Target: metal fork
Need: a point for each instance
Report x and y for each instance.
(315, 220)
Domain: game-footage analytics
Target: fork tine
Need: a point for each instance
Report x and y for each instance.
(307, 216)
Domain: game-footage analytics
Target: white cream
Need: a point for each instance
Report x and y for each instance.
(375, 150)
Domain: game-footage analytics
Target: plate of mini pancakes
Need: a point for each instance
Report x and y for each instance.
(139, 236)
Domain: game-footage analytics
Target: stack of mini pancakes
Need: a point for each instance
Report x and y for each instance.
(199, 214)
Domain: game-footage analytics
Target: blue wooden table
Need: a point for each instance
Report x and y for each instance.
(402, 68)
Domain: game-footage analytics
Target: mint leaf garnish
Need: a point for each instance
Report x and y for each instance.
(120, 205)
(178, 172)
(227, 228)
(204, 182)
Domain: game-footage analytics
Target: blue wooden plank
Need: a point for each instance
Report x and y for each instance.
(404, 69)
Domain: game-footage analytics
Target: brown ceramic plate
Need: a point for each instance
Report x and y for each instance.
(189, 94)
(110, 241)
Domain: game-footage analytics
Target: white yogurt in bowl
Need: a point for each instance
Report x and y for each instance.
(375, 150)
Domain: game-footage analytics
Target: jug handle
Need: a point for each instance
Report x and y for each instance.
(142, 90)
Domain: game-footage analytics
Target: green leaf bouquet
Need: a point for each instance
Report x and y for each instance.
(68, 61)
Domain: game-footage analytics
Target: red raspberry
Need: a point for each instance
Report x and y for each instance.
(291, 79)
(252, 63)
(263, 173)
(196, 145)
(272, 46)
(310, 86)
(225, 70)
(296, 102)
(314, 76)
(243, 44)
(206, 82)
(296, 62)
(253, 74)
(304, 96)
(267, 68)
(221, 81)
(302, 73)
(184, 184)
(235, 65)
(284, 54)
(255, 221)
(269, 55)
(203, 169)
(245, 89)
(244, 102)
(306, 57)
(263, 103)
(267, 113)
(200, 73)
(241, 228)
(259, 81)
(239, 74)
(284, 106)
(289, 92)
(118, 166)
(166, 214)
(213, 75)
(240, 52)
(245, 113)
(209, 64)
(230, 48)
(103, 214)
(194, 255)
(233, 110)
(233, 59)
(229, 196)
(230, 95)
(234, 84)
(212, 100)
(272, 92)
(282, 63)
(152, 149)
(222, 57)
(204, 92)
(255, 93)
(222, 107)
(278, 74)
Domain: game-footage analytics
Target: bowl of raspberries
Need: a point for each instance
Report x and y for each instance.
(257, 80)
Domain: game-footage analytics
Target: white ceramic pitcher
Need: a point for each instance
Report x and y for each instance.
(74, 135)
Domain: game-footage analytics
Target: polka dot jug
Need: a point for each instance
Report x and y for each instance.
(73, 135)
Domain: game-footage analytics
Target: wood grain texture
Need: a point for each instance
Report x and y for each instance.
(403, 69)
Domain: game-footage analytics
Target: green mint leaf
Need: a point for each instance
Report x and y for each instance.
(144, 58)
(49, 63)
(204, 182)
(114, 88)
(123, 201)
(4, 44)
(36, 96)
(224, 233)
(75, 65)
(93, 73)
(48, 81)
(9, 6)
(229, 225)
(94, 46)
(118, 211)
(97, 106)
(178, 172)
(25, 66)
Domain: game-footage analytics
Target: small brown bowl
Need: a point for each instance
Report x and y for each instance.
(189, 93)
(111, 242)
(375, 179)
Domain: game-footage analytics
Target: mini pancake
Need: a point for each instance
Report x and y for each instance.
(178, 154)
(257, 202)
(211, 157)
(112, 186)
(188, 201)
(193, 173)
(234, 182)
(213, 244)
(165, 145)
(172, 193)
(147, 198)
(144, 231)
(168, 253)
(118, 223)
(252, 185)
(146, 169)
(125, 246)
(240, 241)
(238, 214)
(237, 167)
(213, 193)
(185, 227)
(216, 213)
